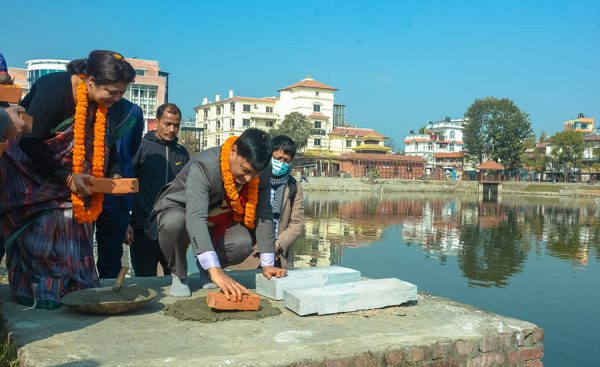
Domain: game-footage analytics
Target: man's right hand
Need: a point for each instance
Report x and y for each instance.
(128, 240)
(232, 289)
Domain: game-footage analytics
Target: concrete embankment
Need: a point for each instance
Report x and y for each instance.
(458, 187)
(433, 332)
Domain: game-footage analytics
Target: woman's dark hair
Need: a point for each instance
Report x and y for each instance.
(256, 147)
(167, 107)
(107, 67)
(285, 143)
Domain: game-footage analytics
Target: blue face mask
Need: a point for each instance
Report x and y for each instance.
(279, 167)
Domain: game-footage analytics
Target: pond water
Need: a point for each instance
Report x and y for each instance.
(530, 258)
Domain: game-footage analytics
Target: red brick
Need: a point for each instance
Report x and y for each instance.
(538, 335)
(218, 301)
(531, 353)
(464, 347)
(114, 185)
(393, 358)
(513, 357)
(415, 355)
(440, 350)
(450, 363)
(10, 93)
(535, 363)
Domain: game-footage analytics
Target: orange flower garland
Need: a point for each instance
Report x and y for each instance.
(249, 211)
(81, 213)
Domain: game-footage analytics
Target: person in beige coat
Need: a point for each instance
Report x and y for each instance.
(287, 203)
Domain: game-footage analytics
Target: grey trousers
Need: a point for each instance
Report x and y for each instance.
(233, 248)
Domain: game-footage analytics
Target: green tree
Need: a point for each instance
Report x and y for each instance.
(496, 129)
(532, 158)
(297, 127)
(567, 151)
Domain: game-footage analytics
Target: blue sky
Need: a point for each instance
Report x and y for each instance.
(397, 64)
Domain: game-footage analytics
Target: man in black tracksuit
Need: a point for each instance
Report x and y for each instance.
(157, 162)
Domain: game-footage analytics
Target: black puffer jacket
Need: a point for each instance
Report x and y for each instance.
(156, 163)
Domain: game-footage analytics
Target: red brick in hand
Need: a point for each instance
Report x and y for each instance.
(218, 301)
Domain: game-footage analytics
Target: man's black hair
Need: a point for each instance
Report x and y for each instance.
(256, 147)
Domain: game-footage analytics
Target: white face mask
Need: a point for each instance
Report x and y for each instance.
(279, 167)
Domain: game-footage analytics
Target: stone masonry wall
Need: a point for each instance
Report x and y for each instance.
(517, 349)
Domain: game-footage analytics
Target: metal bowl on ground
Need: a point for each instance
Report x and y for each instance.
(107, 301)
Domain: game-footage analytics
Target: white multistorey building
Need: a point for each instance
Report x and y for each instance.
(440, 137)
(222, 118)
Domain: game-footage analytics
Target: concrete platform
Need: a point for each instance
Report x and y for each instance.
(434, 332)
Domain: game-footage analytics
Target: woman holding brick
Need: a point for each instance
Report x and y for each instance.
(46, 207)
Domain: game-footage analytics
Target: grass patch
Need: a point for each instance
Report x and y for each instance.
(8, 352)
(543, 188)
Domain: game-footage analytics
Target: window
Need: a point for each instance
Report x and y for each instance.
(218, 140)
(246, 108)
(416, 146)
(358, 142)
(316, 108)
(205, 113)
(317, 124)
(451, 147)
(317, 142)
(452, 135)
(270, 123)
(246, 122)
(140, 72)
(348, 143)
(218, 110)
(232, 123)
(317, 94)
(430, 146)
(232, 107)
(144, 96)
(269, 109)
(218, 125)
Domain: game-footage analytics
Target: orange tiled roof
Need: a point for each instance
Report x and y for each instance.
(383, 157)
(355, 131)
(309, 83)
(491, 165)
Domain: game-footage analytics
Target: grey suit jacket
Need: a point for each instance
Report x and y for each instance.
(198, 189)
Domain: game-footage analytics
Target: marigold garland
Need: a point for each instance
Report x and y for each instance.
(249, 212)
(81, 213)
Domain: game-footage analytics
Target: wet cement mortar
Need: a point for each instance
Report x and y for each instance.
(94, 296)
(197, 310)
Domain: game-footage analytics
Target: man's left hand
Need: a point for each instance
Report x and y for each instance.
(271, 271)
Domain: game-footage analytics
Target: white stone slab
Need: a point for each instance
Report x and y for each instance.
(304, 278)
(347, 297)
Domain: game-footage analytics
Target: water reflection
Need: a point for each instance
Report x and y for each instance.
(491, 241)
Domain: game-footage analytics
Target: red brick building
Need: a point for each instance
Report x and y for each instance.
(386, 165)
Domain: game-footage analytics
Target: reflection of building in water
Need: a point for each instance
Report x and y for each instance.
(436, 229)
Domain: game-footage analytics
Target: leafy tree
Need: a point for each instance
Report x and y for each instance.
(543, 137)
(297, 127)
(496, 129)
(567, 150)
(531, 157)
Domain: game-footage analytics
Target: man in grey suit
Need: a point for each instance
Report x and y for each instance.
(196, 208)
